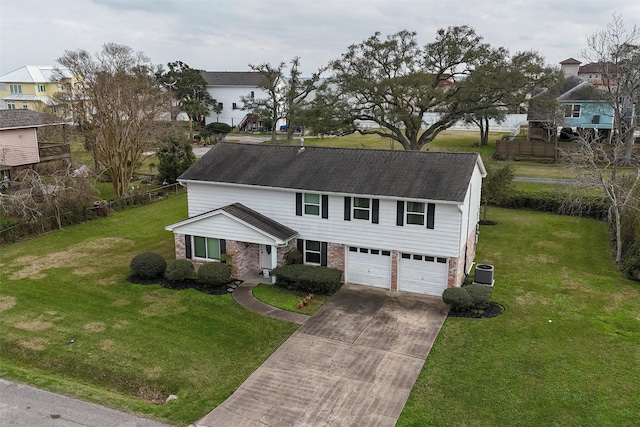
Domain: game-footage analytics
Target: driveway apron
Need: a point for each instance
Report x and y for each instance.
(352, 364)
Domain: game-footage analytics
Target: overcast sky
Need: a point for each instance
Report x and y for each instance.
(217, 35)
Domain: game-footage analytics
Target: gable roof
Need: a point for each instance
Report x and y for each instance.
(233, 78)
(393, 173)
(570, 61)
(34, 74)
(248, 216)
(21, 118)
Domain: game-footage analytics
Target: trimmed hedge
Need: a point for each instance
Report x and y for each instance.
(148, 265)
(480, 295)
(457, 298)
(214, 273)
(555, 202)
(180, 269)
(308, 279)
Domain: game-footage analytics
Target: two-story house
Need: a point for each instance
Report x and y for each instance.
(227, 88)
(31, 87)
(400, 220)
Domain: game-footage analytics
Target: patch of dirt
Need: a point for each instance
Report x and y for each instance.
(183, 284)
(95, 327)
(121, 302)
(108, 280)
(541, 258)
(33, 325)
(493, 309)
(531, 298)
(85, 271)
(153, 373)
(162, 305)
(7, 302)
(37, 344)
(107, 345)
(82, 256)
(121, 324)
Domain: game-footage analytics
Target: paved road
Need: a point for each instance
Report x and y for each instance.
(26, 406)
(353, 363)
(542, 180)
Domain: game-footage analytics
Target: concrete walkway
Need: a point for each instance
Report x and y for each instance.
(243, 295)
(353, 363)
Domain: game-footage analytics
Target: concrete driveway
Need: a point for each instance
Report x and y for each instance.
(352, 364)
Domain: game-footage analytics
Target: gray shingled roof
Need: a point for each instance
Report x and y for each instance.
(233, 78)
(21, 118)
(261, 222)
(394, 173)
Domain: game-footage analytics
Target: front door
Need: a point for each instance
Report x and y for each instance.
(265, 257)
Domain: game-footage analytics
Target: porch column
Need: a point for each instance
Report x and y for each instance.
(274, 261)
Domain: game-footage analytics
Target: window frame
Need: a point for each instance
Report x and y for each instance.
(42, 88)
(306, 204)
(312, 251)
(360, 209)
(11, 105)
(415, 214)
(572, 111)
(25, 105)
(206, 248)
(15, 89)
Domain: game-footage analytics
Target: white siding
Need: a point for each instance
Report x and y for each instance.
(227, 95)
(222, 227)
(471, 207)
(280, 206)
(19, 147)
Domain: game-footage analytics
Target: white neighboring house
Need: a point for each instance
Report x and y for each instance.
(227, 87)
(399, 220)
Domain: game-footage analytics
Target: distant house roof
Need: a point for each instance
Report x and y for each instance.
(20, 119)
(394, 173)
(570, 61)
(34, 74)
(596, 67)
(233, 78)
(27, 97)
(585, 91)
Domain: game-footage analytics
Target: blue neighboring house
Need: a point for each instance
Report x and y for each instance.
(583, 109)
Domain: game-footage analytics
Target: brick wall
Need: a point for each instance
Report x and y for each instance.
(245, 257)
(395, 256)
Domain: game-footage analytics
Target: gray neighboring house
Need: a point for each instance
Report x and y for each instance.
(398, 220)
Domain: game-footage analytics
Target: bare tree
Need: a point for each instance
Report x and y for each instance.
(52, 196)
(616, 52)
(116, 102)
(285, 94)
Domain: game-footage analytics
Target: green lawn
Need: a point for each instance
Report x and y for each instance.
(133, 343)
(565, 352)
(288, 300)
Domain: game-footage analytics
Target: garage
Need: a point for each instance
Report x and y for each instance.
(422, 274)
(366, 266)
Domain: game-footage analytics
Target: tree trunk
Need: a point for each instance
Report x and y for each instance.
(618, 225)
(484, 131)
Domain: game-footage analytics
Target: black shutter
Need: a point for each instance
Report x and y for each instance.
(347, 208)
(187, 246)
(323, 253)
(325, 206)
(400, 213)
(375, 208)
(301, 247)
(223, 246)
(431, 210)
(299, 204)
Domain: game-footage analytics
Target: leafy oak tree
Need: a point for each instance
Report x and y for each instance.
(395, 83)
(115, 101)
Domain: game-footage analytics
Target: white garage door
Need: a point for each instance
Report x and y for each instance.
(422, 274)
(370, 267)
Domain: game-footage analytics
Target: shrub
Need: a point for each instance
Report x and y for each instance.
(293, 256)
(217, 127)
(214, 273)
(148, 264)
(457, 298)
(180, 269)
(308, 279)
(480, 295)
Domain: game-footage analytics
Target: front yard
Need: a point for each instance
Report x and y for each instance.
(134, 344)
(565, 352)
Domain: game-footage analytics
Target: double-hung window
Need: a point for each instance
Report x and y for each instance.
(15, 89)
(206, 247)
(361, 208)
(311, 204)
(42, 88)
(312, 252)
(415, 213)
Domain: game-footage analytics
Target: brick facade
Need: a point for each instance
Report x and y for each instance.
(458, 268)
(395, 256)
